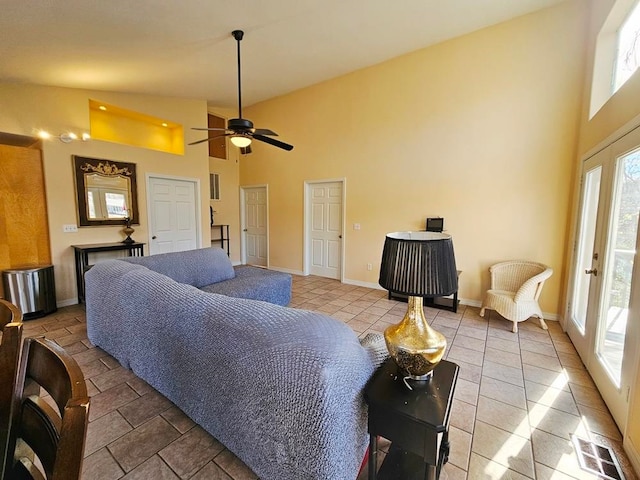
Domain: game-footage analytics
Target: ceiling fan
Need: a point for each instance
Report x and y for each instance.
(240, 130)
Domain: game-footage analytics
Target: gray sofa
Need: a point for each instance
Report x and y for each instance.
(279, 387)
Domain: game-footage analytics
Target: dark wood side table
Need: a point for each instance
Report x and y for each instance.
(135, 249)
(445, 303)
(224, 236)
(415, 421)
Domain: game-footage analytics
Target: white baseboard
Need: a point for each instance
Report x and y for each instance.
(67, 303)
(359, 283)
(470, 303)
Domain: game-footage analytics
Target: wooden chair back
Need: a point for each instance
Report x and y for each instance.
(48, 431)
(11, 325)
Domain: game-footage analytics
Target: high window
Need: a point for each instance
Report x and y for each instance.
(617, 54)
(628, 57)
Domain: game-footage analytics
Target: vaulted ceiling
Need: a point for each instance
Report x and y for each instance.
(185, 49)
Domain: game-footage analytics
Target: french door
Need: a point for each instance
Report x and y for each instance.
(605, 269)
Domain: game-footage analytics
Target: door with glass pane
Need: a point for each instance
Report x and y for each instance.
(605, 257)
(587, 257)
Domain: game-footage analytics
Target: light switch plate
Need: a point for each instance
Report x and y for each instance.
(69, 228)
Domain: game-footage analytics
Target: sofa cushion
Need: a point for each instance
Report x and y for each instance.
(198, 268)
(256, 284)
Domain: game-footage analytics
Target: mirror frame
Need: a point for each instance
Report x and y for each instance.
(101, 166)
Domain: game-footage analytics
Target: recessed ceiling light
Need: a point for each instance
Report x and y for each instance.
(165, 124)
(102, 107)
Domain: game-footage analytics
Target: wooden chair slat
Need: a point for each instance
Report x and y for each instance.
(56, 438)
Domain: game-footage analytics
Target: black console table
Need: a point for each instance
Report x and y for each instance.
(82, 252)
(224, 236)
(416, 421)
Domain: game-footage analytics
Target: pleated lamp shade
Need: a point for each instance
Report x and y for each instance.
(420, 264)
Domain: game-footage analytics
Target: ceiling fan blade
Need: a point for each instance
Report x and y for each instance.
(242, 127)
(274, 142)
(207, 139)
(265, 131)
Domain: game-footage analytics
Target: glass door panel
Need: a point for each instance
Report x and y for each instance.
(585, 250)
(621, 249)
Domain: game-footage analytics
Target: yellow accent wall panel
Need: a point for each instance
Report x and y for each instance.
(119, 125)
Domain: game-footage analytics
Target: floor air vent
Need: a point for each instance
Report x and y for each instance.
(597, 459)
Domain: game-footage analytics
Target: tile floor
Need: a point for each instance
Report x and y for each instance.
(518, 398)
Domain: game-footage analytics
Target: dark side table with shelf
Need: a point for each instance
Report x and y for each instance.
(415, 421)
(445, 303)
(224, 236)
(135, 249)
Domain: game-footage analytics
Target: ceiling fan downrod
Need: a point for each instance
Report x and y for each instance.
(238, 34)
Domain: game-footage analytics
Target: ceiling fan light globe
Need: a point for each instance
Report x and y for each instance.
(241, 141)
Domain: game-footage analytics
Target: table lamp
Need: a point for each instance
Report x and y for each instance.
(418, 265)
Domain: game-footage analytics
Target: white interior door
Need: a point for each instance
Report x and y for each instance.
(255, 223)
(173, 218)
(601, 306)
(324, 201)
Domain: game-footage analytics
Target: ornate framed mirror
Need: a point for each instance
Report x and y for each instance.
(106, 191)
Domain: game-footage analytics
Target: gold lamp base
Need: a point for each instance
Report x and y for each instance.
(413, 344)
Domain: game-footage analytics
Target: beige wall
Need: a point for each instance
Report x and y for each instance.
(228, 206)
(480, 130)
(616, 117)
(25, 108)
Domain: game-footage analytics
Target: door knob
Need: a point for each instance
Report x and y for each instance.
(339, 236)
(154, 237)
(593, 271)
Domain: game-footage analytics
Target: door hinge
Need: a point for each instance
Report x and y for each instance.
(628, 392)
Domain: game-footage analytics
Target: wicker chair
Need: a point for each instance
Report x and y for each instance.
(515, 289)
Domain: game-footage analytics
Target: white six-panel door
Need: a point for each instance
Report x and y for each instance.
(173, 216)
(255, 226)
(324, 233)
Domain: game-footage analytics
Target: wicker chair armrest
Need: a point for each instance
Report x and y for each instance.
(531, 289)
